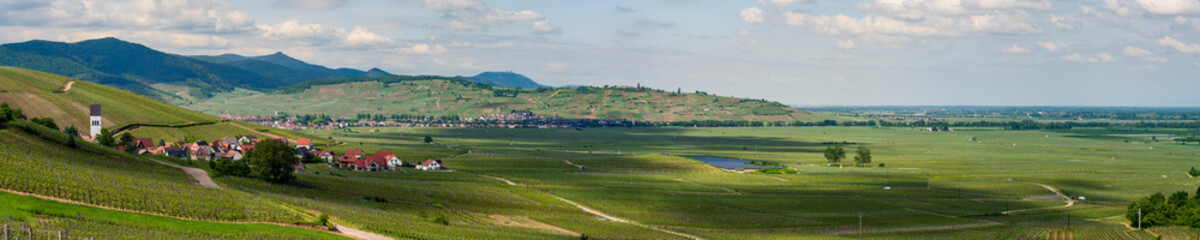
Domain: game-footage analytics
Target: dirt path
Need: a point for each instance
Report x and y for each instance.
(527, 222)
(602, 215)
(359, 234)
(200, 177)
(68, 87)
(1069, 202)
(555, 93)
(572, 164)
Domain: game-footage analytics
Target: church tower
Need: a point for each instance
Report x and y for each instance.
(95, 130)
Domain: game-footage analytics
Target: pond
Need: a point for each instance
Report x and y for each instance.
(728, 163)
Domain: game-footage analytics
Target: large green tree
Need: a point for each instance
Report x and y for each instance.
(274, 161)
(864, 156)
(106, 138)
(835, 154)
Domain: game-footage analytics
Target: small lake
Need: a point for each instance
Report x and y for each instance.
(728, 163)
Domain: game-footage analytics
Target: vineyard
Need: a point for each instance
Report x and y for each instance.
(33, 165)
(44, 219)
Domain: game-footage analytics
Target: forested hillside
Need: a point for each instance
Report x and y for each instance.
(455, 97)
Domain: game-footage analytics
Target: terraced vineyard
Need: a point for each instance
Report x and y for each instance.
(441, 97)
(33, 165)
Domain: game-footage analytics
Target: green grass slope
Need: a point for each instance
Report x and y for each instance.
(441, 96)
(34, 93)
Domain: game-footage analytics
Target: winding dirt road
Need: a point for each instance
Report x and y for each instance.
(200, 177)
(68, 87)
(1069, 202)
(602, 215)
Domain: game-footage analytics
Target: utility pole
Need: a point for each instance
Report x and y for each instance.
(1068, 219)
(860, 226)
(1139, 219)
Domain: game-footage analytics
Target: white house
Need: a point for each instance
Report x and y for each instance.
(430, 165)
(393, 162)
(95, 117)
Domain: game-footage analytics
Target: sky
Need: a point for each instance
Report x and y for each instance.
(800, 52)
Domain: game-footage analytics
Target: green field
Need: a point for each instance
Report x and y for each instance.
(936, 179)
(448, 98)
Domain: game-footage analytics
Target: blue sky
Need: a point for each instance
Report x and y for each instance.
(804, 52)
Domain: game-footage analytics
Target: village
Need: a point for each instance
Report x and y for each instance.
(237, 148)
(514, 119)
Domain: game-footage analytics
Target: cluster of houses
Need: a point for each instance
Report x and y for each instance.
(238, 148)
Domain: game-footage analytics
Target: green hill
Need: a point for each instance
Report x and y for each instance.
(444, 96)
(40, 95)
(285, 68)
(131, 66)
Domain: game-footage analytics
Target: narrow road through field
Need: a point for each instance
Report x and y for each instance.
(68, 87)
(200, 177)
(601, 214)
(1069, 202)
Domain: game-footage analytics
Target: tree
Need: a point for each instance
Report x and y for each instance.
(226, 167)
(72, 131)
(274, 161)
(428, 139)
(8, 114)
(126, 140)
(105, 138)
(864, 156)
(835, 154)
(48, 122)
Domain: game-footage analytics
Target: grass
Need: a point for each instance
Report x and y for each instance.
(935, 179)
(125, 225)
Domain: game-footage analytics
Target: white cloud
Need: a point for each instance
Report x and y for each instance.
(1100, 57)
(927, 18)
(846, 44)
(309, 4)
(1135, 52)
(752, 15)
(743, 33)
(475, 15)
(426, 49)
(543, 26)
(1016, 49)
(318, 34)
(363, 37)
(1061, 23)
(1179, 45)
(788, 2)
(1169, 7)
(1144, 54)
(1053, 46)
(184, 15)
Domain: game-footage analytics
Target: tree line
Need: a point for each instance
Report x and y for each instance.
(1179, 209)
(835, 154)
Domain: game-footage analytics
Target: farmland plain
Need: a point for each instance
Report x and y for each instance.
(931, 184)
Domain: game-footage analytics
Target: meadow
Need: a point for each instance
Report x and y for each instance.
(932, 185)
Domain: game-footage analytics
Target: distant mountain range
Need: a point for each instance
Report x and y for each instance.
(505, 80)
(279, 82)
(165, 76)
